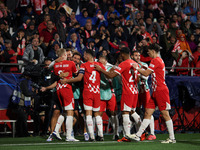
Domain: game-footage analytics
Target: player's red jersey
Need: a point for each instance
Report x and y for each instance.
(64, 66)
(129, 76)
(91, 77)
(158, 76)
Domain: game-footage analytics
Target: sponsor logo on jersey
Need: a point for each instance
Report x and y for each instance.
(66, 65)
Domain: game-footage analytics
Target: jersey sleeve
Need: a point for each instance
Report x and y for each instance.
(152, 65)
(144, 65)
(102, 66)
(82, 69)
(74, 70)
(120, 68)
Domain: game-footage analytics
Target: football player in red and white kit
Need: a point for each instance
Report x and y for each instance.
(143, 98)
(65, 94)
(91, 92)
(129, 86)
(108, 98)
(160, 95)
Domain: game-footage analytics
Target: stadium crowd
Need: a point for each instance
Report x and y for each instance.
(48, 32)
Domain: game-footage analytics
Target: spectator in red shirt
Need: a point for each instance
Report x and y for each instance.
(19, 43)
(47, 34)
(183, 61)
(43, 25)
(145, 34)
(196, 61)
(9, 56)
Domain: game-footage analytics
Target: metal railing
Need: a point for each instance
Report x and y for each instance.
(11, 64)
(168, 68)
(188, 68)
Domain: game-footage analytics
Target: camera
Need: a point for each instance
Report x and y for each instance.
(34, 72)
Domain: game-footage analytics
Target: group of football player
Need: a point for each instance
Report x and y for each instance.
(96, 89)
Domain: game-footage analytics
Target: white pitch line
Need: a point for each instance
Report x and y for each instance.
(62, 143)
(72, 143)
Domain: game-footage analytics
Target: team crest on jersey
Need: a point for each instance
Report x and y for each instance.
(91, 66)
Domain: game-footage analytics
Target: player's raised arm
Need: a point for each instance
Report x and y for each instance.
(107, 74)
(146, 72)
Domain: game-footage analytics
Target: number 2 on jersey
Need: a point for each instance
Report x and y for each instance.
(131, 77)
(93, 77)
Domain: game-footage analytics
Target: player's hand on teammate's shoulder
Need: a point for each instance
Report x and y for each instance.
(135, 65)
(97, 67)
(112, 69)
(139, 62)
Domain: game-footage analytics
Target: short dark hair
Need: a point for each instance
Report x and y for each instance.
(77, 53)
(101, 56)
(125, 50)
(91, 52)
(68, 49)
(48, 59)
(133, 52)
(155, 47)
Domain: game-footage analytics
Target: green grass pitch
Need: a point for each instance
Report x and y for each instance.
(184, 142)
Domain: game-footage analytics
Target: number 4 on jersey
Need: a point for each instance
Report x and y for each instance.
(93, 77)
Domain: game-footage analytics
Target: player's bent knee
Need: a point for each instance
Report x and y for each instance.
(165, 114)
(148, 113)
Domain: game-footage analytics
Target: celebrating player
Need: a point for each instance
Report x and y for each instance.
(143, 97)
(160, 95)
(91, 93)
(108, 98)
(129, 80)
(65, 94)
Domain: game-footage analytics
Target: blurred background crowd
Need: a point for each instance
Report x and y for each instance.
(31, 30)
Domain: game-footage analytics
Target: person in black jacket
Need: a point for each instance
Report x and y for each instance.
(27, 106)
(29, 103)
